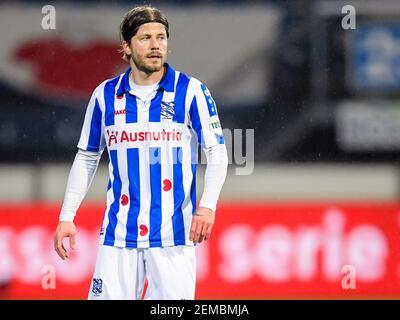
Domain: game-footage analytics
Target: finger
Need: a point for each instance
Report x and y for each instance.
(201, 238)
(56, 250)
(64, 250)
(60, 249)
(55, 243)
(56, 246)
(60, 252)
(203, 232)
(197, 234)
(72, 242)
(208, 232)
(192, 229)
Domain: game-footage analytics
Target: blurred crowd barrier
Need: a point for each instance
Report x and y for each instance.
(31, 183)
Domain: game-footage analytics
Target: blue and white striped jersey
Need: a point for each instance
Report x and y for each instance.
(152, 147)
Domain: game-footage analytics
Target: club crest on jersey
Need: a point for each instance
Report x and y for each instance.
(167, 109)
(97, 286)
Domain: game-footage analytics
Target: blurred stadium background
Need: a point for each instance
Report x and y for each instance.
(324, 104)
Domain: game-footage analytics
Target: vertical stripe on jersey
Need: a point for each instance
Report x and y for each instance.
(131, 108)
(180, 98)
(114, 207)
(194, 157)
(155, 202)
(195, 120)
(110, 199)
(145, 196)
(134, 196)
(123, 201)
(179, 196)
(95, 129)
(167, 195)
(124, 83)
(109, 99)
(155, 107)
(193, 188)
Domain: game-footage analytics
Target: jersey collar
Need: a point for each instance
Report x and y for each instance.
(167, 82)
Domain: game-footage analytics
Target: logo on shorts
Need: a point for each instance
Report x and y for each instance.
(97, 286)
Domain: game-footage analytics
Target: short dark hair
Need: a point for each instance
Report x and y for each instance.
(137, 16)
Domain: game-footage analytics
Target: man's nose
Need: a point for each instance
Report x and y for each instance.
(154, 43)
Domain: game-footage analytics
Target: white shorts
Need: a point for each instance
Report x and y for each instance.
(120, 273)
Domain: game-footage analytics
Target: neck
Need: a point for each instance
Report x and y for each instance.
(145, 79)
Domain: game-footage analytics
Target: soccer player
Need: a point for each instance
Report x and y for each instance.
(151, 119)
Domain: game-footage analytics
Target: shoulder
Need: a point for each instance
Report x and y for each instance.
(110, 83)
(192, 81)
(195, 86)
(107, 84)
(199, 87)
(102, 90)
(195, 82)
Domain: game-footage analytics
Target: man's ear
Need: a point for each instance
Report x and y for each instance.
(126, 48)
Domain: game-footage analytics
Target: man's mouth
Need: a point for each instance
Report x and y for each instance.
(154, 56)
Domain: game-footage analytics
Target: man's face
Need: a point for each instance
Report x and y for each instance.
(148, 48)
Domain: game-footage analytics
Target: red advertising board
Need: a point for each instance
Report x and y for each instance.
(256, 251)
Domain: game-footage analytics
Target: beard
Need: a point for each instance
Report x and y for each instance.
(147, 67)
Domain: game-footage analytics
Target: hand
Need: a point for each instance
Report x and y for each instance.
(202, 223)
(64, 229)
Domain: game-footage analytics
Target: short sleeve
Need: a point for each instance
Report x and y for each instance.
(204, 117)
(92, 134)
